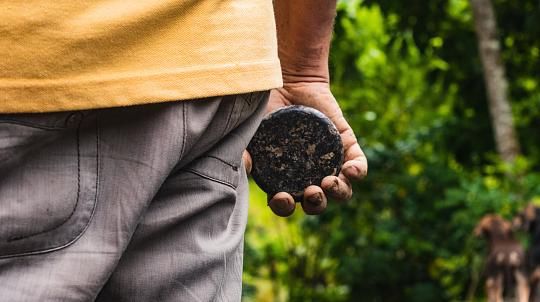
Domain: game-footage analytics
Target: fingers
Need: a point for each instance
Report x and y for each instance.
(315, 198)
(282, 204)
(356, 166)
(337, 187)
(315, 201)
(355, 169)
(248, 163)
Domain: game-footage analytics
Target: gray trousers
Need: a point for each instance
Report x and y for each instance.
(143, 203)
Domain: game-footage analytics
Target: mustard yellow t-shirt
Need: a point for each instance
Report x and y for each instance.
(66, 55)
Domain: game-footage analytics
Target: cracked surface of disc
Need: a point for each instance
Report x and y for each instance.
(293, 148)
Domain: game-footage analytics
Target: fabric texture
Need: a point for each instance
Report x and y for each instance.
(70, 55)
(141, 203)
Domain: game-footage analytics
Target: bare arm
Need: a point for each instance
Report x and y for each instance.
(304, 29)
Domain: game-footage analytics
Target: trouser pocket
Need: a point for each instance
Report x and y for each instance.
(48, 180)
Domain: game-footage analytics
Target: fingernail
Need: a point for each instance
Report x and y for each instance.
(335, 186)
(315, 199)
(281, 204)
(353, 171)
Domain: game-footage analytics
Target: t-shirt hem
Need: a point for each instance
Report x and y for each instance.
(26, 96)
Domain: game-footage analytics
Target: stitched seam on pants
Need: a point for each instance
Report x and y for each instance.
(96, 191)
(78, 139)
(211, 178)
(184, 130)
(15, 122)
(89, 220)
(233, 166)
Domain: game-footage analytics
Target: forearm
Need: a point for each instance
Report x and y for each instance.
(304, 29)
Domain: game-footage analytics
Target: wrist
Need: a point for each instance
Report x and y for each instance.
(302, 71)
(304, 60)
(304, 31)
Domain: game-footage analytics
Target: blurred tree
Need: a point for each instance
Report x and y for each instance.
(409, 79)
(495, 79)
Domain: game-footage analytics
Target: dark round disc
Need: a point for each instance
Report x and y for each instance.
(293, 148)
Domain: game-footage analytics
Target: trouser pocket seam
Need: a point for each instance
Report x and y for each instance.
(228, 184)
(69, 228)
(78, 138)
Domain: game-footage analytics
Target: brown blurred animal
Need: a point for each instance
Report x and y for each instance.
(505, 263)
(529, 221)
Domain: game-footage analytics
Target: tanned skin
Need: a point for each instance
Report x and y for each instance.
(304, 29)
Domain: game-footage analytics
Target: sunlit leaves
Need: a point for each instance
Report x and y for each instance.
(408, 79)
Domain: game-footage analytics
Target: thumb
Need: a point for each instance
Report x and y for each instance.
(247, 161)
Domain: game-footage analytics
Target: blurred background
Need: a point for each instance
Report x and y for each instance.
(413, 82)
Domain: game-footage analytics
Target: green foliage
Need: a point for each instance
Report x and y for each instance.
(408, 78)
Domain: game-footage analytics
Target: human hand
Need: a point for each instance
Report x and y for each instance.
(304, 30)
(318, 95)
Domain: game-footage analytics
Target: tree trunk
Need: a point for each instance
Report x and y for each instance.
(495, 80)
